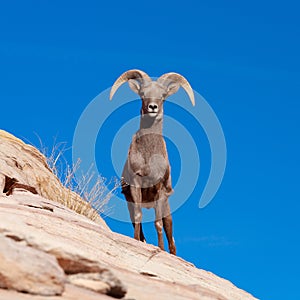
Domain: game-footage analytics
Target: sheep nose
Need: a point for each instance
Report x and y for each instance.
(152, 107)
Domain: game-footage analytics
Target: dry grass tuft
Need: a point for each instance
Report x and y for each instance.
(92, 190)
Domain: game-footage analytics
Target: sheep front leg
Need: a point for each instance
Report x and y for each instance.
(159, 227)
(136, 194)
(159, 224)
(130, 206)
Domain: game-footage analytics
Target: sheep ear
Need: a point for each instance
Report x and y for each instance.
(172, 88)
(135, 85)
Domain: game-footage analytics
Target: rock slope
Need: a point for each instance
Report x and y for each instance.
(23, 164)
(48, 251)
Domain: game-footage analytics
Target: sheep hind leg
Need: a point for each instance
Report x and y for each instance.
(167, 223)
(168, 227)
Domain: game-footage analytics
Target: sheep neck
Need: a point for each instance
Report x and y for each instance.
(154, 125)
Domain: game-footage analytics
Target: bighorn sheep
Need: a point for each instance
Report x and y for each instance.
(146, 178)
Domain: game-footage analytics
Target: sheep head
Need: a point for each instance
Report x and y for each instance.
(153, 93)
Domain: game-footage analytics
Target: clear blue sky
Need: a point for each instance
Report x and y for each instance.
(243, 57)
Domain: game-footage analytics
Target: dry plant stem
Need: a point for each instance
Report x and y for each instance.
(95, 194)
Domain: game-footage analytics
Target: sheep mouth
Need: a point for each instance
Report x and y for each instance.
(152, 114)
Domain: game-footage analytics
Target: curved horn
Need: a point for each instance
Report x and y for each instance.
(131, 74)
(169, 77)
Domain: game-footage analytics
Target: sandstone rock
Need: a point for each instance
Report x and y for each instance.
(117, 288)
(89, 248)
(85, 280)
(71, 292)
(26, 269)
(92, 257)
(105, 282)
(27, 166)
